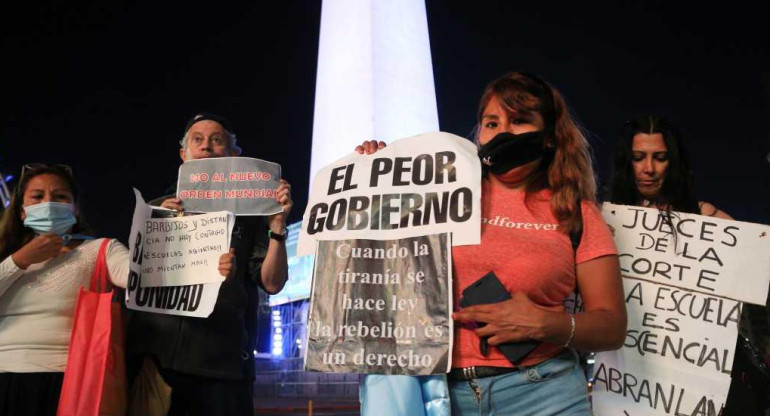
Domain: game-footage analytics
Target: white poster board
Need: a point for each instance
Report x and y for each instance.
(188, 300)
(426, 184)
(683, 281)
(709, 255)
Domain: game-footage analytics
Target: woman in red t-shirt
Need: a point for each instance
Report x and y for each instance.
(538, 194)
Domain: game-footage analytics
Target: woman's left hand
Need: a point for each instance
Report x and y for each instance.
(513, 320)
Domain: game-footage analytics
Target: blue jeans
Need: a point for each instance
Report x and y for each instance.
(554, 387)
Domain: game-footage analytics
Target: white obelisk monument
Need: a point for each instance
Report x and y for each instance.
(375, 76)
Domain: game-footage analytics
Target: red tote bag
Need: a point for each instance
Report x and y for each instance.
(95, 379)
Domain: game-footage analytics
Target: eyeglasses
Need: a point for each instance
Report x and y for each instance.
(30, 167)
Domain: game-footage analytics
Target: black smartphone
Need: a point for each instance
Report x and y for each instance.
(488, 289)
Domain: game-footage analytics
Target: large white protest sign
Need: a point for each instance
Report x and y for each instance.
(629, 387)
(420, 185)
(709, 255)
(241, 185)
(382, 307)
(189, 300)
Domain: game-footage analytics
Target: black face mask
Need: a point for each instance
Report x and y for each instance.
(506, 151)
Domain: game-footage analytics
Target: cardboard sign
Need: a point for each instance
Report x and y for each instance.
(189, 300)
(241, 185)
(708, 255)
(683, 280)
(420, 185)
(631, 387)
(184, 250)
(382, 307)
(679, 329)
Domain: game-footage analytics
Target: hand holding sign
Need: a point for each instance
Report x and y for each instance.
(277, 222)
(369, 147)
(227, 264)
(173, 203)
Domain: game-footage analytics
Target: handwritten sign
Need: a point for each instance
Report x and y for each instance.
(188, 300)
(684, 276)
(631, 387)
(420, 185)
(680, 329)
(381, 307)
(242, 185)
(185, 250)
(709, 255)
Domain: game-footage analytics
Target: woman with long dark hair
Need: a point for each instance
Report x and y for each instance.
(651, 168)
(543, 237)
(47, 254)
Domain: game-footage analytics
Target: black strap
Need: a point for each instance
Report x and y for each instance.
(577, 234)
(574, 237)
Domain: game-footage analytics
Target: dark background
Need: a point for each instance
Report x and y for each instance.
(107, 86)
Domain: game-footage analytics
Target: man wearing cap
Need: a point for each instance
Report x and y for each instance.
(209, 362)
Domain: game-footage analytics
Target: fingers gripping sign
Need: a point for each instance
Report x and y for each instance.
(173, 203)
(227, 264)
(370, 146)
(277, 222)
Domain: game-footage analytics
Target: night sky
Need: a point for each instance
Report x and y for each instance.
(108, 86)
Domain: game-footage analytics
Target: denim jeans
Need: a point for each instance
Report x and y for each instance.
(554, 387)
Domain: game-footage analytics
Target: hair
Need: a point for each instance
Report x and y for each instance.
(678, 190)
(566, 170)
(232, 142)
(13, 233)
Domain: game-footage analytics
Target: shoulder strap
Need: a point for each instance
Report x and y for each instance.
(577, 234)
(574, 237)
(100, 279)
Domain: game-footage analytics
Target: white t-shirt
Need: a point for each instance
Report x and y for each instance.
(37, 305)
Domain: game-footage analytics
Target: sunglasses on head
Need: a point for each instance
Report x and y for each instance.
(31, 168)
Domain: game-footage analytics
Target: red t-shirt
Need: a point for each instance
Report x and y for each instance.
(524, 247)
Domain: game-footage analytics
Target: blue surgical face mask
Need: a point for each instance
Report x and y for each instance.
(50, 217)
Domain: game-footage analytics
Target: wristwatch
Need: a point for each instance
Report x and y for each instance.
(277, 237)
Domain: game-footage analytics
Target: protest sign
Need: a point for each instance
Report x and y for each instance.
(630, 387)
(420, 185)
(185, 250)
(241, 185)
(188, 300)
(679, 329)
(708, 255)
(381, 307)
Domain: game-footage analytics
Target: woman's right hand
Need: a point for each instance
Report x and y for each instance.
(173, 203)
(39, 249)
(370, 146)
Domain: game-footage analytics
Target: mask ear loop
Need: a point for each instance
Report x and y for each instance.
(65, 238)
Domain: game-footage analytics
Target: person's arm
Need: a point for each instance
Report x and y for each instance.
(712, 211)
(117, 263)
(37, 250)
(275, 269)
(9, 273)
(602, 326)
